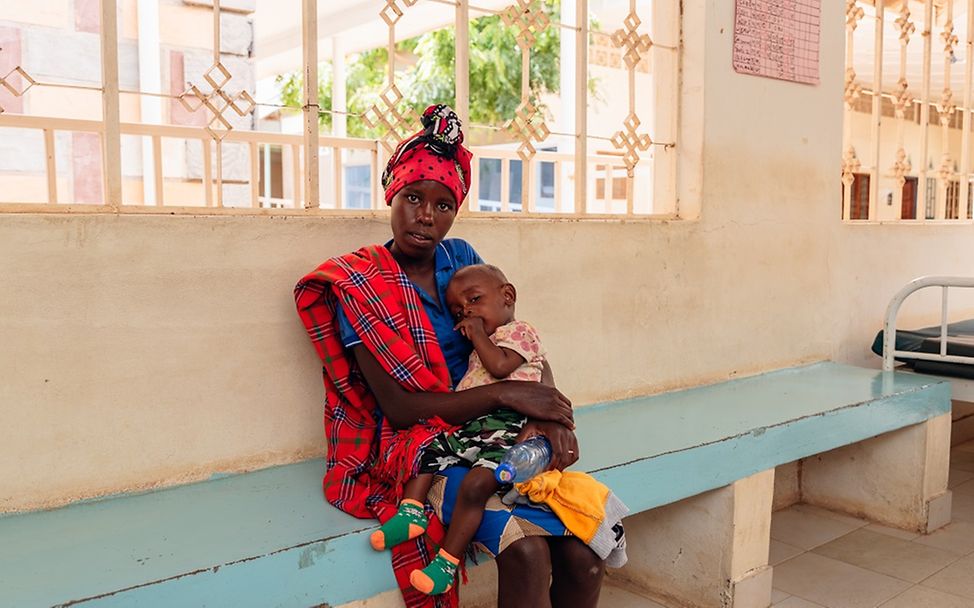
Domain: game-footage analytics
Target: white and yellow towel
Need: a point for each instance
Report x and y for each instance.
(585, 505)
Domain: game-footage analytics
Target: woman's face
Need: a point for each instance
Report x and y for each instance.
(422, 215)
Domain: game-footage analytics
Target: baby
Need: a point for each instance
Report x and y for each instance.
(482, 301)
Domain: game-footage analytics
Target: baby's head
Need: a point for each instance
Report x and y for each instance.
(481, 291)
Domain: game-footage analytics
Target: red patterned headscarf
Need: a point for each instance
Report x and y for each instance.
(435, 153)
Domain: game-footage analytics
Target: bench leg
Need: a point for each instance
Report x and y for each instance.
(898, 479)
(707, 551)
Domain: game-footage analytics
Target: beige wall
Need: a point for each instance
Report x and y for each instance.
(870, 263)
(139, 350)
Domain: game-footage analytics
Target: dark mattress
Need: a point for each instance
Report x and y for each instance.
(960, 341)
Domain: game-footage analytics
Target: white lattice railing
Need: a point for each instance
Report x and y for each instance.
(605, 167)
(587, 168)
(212, 180)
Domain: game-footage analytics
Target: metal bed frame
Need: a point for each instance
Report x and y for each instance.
(889, 327)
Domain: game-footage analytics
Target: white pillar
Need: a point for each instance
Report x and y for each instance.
(463, 61)
(566, 113)
(309, 39)
(339, 122)
(112, 135)
(150, 81)
(581, 105)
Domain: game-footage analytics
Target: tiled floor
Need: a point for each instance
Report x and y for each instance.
(827, 560)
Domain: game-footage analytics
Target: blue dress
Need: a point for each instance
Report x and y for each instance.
(502, 525)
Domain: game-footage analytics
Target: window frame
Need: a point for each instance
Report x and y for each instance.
(302, 159)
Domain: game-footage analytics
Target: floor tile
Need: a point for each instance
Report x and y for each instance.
(849, 519)
(614, 596)
(957, 578)
(894, 532)
(781, 551)
(957, 536)
(807, 528)
(835, 584)
(778, 596)
(957, 477)
(922, 597)
(887, 555)
(962, 507)
(962, 459)
(965, 447)
(797, 602)
(966, 487)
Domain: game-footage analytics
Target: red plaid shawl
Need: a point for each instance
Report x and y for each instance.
(367, 461)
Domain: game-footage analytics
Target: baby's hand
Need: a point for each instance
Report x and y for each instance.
(471, 327)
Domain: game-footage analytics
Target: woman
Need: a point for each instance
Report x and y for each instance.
(380, 324)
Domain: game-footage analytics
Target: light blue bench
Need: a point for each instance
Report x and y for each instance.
(267, 538)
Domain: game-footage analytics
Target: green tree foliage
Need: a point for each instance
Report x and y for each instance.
(495, 73)
(364, 79)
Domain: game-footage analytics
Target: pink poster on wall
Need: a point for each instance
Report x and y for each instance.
(778, 39)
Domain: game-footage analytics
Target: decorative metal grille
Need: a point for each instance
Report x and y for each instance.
(900, 149)
(221, 96)
(628, 140)
(528, 125)
(393, 122)
(218, 101)
(17, 90)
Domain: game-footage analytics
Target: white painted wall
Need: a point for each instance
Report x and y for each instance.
(872, 262)
(140, 350)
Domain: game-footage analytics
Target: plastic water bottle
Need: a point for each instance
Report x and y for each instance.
(524, 460)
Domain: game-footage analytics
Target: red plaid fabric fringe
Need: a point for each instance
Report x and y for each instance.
(367, 461)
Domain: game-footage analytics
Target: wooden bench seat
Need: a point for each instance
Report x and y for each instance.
(267, 538)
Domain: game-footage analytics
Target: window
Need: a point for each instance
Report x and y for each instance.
(228, 121)
(495, 172)
(490, 183)
(271, 177)
(546, 187)
(617, 190)
(906, 124)
(908, 205)
(859, 203)
(953, 194)
(358, 187)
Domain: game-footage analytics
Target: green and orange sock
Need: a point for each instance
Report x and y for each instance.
(438, 576)
(408, 523)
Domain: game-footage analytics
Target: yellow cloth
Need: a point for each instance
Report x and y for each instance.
(578, 499)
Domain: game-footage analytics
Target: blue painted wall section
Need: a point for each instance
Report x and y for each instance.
(268, 538)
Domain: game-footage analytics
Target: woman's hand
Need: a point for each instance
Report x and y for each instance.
(537, 401)
(564, 444)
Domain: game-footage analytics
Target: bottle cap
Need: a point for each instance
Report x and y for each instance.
(504, 473)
